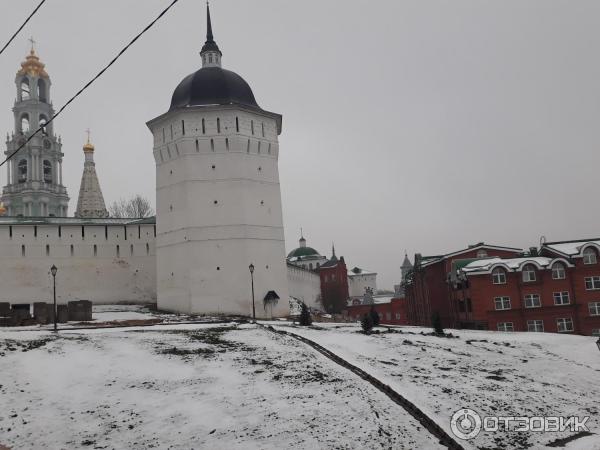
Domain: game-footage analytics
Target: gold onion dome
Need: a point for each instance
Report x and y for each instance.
(2, 209)
(88, 147)
(32, 66)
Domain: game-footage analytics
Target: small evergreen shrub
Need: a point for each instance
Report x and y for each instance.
(374, 317)
(436, 322)
(366, 323)
(305, 318)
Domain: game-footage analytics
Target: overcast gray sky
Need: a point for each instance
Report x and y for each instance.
(420, 125)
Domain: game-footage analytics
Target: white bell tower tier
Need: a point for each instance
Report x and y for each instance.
(218, 198)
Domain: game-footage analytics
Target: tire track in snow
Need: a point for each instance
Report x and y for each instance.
(428, 423)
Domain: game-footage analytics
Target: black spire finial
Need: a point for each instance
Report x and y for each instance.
(209, 34)
(210, 44)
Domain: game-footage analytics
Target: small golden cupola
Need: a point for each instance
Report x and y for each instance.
(2, 209)
(32, 66)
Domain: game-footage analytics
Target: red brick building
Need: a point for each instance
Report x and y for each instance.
(555, 289)
(394, 312)
(334, 284)
(426, 287)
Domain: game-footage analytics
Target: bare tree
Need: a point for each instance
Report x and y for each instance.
(136, 207)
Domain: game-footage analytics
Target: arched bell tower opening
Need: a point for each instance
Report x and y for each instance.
(34, 175)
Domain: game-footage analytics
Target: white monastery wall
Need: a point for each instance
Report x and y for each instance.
(95, 262)
(304, 285)
(359, 282)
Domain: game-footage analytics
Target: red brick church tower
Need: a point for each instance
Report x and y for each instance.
(334, 284)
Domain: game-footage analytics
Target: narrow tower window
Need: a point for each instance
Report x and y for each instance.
(248, 147)
(227, 143)
(72, 250)
(25, 123)
(197, 146)
(47, 171)
(22, 171)
(263, 129)
(95, 250)
(218, 125)
(171, 131)
(25, 93)
(47, 250)
(212, 145)
(203, 127)
(252, 126)
(183, 127)
(131, 249)
(237, 124)
(118, 251)
(258, 147)
(42, 91)
(147, 249)
(22, 250)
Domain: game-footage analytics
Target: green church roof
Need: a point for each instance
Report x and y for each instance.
(302, 252)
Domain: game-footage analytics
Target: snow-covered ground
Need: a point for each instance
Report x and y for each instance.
(493, 373)
(228, 386)
(188, 386)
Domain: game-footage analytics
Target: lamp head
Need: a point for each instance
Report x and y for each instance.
(251, 267)
(53, 270)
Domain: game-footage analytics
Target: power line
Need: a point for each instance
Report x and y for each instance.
(89, 83)
(22, 26)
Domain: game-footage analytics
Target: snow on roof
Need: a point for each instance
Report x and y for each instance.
(358, 271)
(483, 265)
(383, 299)
(570, 248)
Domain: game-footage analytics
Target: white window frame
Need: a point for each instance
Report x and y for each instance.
(506, 326)
(529, 274)
(559, 272)
(559, 298)
(397, 316)
(498, 276)
(590, 256)
(502, 300)
(594, 308)
(594, 283)
(564, 324)
(535, 326)
(531, 297)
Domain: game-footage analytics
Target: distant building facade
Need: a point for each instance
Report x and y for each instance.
(426, 286)
(555, 289)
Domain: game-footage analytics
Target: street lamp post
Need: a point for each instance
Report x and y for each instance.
(53, 271)
(251, 267)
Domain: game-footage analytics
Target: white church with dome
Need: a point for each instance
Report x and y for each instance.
(218, 207)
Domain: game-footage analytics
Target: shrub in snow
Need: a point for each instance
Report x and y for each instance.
(374, 317)
(436, 322)
(305, 318)
(366, 323)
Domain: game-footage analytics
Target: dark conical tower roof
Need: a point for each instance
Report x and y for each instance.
(210, 45)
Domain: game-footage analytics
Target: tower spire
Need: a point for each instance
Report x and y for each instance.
(209, 33)
(210, 53)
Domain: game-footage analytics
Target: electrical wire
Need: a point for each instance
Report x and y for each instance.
(89, 83)
(22, 26)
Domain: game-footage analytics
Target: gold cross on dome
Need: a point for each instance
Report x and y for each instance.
(88, 134)
(32, 43)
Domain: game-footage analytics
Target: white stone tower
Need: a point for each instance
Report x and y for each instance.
(34, 174)
(91, 201)
(218, 197)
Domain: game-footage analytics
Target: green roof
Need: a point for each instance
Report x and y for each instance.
(303, 251)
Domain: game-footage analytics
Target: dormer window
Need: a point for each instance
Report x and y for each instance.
(590, 256)
(529, 273)
(498, 276)
(558, 271)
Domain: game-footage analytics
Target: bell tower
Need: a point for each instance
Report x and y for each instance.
(34, 175)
